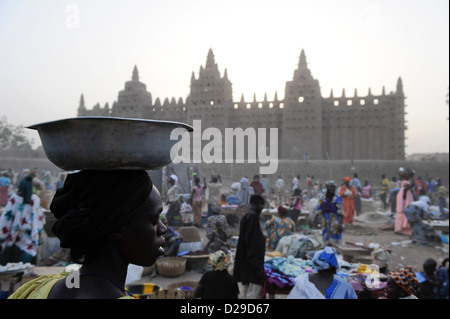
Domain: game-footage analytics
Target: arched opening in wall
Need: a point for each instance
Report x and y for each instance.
(249, 105)
(271, 105)
(281, 105)
(260, 105)
(301, 99)
(211, 102)
(376, 101)
(349, 102)
(236, 106)
(362, 102)
(336, 103)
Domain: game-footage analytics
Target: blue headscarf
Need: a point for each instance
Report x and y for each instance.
(325, 259)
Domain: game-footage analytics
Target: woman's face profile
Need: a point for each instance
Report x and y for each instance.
(142, 238)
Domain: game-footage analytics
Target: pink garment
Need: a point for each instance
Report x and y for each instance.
(299, 204)
(401, 222)
(366, 191)
(197, 193)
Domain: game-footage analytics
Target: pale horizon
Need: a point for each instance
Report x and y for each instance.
(53, 51)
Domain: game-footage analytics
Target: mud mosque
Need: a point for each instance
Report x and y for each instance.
(370, 127)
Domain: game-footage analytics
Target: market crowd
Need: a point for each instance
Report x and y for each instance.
(301, 268)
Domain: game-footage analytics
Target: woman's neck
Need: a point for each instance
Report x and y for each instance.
(106, 262)
(102, 275)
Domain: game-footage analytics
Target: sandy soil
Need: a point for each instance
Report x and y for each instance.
(406, 254)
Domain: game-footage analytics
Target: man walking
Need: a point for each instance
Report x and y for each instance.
(250, 251)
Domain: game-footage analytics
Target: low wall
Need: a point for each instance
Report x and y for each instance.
(321, 170)
(18, 164)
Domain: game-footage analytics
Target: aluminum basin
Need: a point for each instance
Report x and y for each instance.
(108, 143)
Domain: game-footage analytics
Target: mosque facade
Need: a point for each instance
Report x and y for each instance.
(369, 127)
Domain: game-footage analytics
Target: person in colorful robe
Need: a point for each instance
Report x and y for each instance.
(402, 284)
(217, 231)
(416, 213)
(278, 227)
(324, 283)
(20, 225)
(404, 199)
(331, 208)
(348, 195)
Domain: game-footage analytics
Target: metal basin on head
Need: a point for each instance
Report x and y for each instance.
(108, 143)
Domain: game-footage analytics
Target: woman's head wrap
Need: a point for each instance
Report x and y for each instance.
(406, 279)
(347, 179)
(218, 260)
(93, 204)
(325, 259)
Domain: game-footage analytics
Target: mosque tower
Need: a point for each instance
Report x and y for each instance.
(302, 115)
(210, 95)
(134, 100)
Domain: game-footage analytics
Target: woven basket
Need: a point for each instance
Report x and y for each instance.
(171, 266)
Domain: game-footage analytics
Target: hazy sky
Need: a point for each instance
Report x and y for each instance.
(52, 51)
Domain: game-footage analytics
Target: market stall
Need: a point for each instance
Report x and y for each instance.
(280, 273)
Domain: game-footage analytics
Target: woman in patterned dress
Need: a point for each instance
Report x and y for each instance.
(330, 205)
(20, 225)
(278, 227)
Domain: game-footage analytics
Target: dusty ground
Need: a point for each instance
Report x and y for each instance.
(408, 254)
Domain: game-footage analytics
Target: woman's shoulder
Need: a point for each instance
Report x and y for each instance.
(38, 288)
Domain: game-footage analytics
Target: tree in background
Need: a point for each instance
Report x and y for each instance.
(13, 137)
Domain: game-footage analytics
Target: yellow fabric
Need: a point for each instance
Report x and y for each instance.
(40, 287)
(148, 288)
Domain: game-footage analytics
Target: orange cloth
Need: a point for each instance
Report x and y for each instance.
(348, 203)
